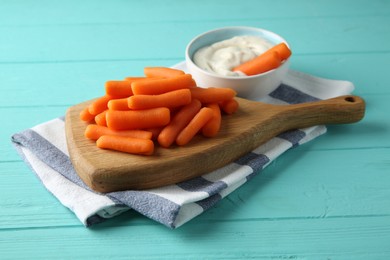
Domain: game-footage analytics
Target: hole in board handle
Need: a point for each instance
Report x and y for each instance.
(350, 99)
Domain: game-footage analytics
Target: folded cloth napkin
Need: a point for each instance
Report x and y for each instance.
(44, 149)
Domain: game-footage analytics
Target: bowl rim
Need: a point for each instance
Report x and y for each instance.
(247, 28)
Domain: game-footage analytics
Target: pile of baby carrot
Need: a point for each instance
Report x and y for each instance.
(165, 106)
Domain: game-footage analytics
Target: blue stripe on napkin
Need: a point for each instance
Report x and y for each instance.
(253, 160)
(293, 136)
(149, 204)
(209, 202)
(50, 154)
(94, 219)
(291, 95)
(201, 184)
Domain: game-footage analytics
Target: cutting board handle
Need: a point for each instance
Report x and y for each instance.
(338, 110)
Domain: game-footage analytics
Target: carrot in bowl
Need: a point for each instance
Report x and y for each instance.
(163, 72)
(282, 49)
(170, 99)
(269, 60)
(137, 119)
(160, 86)
(196, 124)
(126, 144)
(180, 120)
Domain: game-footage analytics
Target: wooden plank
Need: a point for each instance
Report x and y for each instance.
(357, 238)
(27, 204)
(66, 84)
(312, 184)
(335, 184)
(96, 42)
(25, 201)
(334, 207)
(75, 13)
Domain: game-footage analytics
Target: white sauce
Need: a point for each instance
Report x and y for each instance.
(221, 57)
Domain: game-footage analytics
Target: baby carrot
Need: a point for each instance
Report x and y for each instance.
(267, 61)
(229, 106)
(162, 72)
(200, 119)
(118, 88)
(132, 79)
(126, 144)
(212, 95)
(86, 116)
(160, 86)
(93, 132)
(155, 131)
(100, 119)
(170, 99)
(118, 104)
(137, 119)
(99, 105)
(169, 133)
(282, 49)
(211, 128)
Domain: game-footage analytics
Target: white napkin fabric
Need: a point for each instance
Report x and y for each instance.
(43, 148)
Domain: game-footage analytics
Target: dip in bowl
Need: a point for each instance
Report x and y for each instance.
(211, 57)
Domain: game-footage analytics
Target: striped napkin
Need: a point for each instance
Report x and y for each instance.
(43, 148)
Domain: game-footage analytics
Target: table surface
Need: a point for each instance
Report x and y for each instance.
(328, 199)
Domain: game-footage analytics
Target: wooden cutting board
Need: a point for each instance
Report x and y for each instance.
(253, 124)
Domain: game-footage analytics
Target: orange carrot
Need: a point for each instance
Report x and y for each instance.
(211, 128)
(132, 79)
(266, 61)
(86, 116)
(118, 88)
(137, 119)
(229, 106)
(118, 104)
(99, 105)
(165, 105)
(212, 95)
(155, 131)
(170, 99)
(160, 86)
(269, 60)
(200, 119)
(162, 72)
(100, 119)
(179, 121)
(126, 144)
(282, 49)
(93, 132)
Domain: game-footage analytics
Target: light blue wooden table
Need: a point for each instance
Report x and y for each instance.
(328, 199)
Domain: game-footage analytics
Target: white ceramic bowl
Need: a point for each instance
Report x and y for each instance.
(250, 87)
